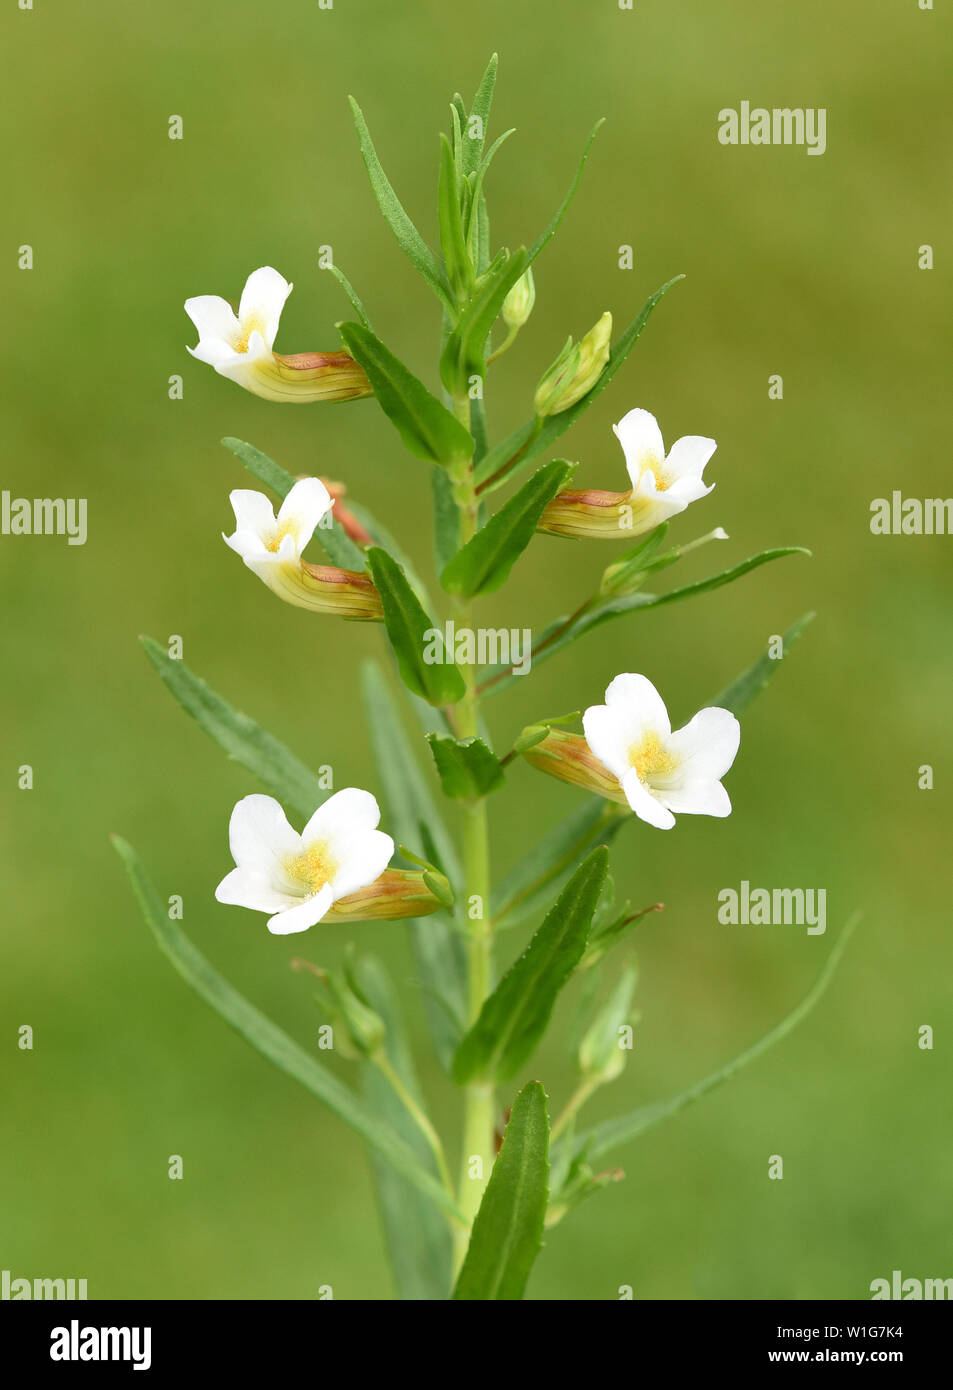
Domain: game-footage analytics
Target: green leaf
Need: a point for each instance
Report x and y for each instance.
(382, 537)
(468, 769)
(408, 626)
(465, 352)
(564, 206)
(417, 1236)
(482, 104)
(601, 610)
(352, 295)
(427, 428)
(340, 549)
(528, 442)
(514, 1017)
(446, 519)
(269, 1040)
(413, 818)
(484, 563)
(543, 871)
(408, 238)
(738, 696)
(245, 742)
(508, 1229)
(622, 1128)
(455, 255)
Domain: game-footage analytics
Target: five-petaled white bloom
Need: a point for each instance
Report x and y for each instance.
(662, 772)
(242, 348)
(299, 877)
(662, 484)
(271, 547)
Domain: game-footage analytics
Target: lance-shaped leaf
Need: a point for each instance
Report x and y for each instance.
(546, 867)
(528, 442)
(547, 235)
(482, 104)
(514, 1017)
(622, 1128)
(411, 631)
(417, 1236)
(426, 426)
(340, 549)
(738, 696)
(453, 244)
(508, 1229)
(413, 816)
(468, 769)
(269, 1039)
(245, 742)
(486, 560)
(464, 353)
(408, 238)
(446, 519)
(602, 610)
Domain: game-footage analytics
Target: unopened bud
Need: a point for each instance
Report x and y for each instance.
(575, 371)
(518, 304)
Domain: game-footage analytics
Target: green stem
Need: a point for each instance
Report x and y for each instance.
(383, 1064)
(479, 1148)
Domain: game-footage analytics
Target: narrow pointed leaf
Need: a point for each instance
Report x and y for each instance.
(484, 563)
(465, 352)
(270, 1040)
(408, 238)
(553, 228)
(452, 241)
(528, 443)
(514, 1017)
(508, 1229)
(738, 696)
(245, 742)
(468, 769)
(482, 105)
(417, 1236)
(622, 1128)
(426, 426)
(446, 519)
(564, 631)
(408, 626)
(352, 295)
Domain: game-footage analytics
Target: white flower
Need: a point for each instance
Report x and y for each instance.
(661, 771)
(271, 546)
(662, 484)
(299, 877)
(242, 348)
(234, 345)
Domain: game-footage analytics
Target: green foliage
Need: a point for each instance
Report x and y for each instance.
(407, 625)
(467, 767)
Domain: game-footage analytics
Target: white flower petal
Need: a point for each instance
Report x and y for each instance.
(213, 318)
(608, 734)
(706, 747)
(685, 490)
(305, 915)
(360, 861)
(644, 804)
(263, 299)
(260, 837)
(305, 505)
(214, 352)
(698, 799)
(253, 512)
(642, 703)
(243, 888)
(642, 443)
(347, 812)
(688, 456)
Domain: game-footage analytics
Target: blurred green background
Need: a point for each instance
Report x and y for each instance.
(796, 265)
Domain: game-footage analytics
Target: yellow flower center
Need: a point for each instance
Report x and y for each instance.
(656, 467)
(649, 758)
(287, 528)
(314, 868)
(247, 327)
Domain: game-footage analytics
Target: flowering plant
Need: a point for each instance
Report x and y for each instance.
(474, 1235)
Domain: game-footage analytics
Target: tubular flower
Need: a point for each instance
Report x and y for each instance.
(300, 878)
(661, 772)
(242, 348)
(271, 547)
(662, 485)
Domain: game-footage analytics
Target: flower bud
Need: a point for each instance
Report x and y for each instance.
(360, 1032)
(569, 757)
(575, 371)
(396, 893)
(518, 304)
(589, 514)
